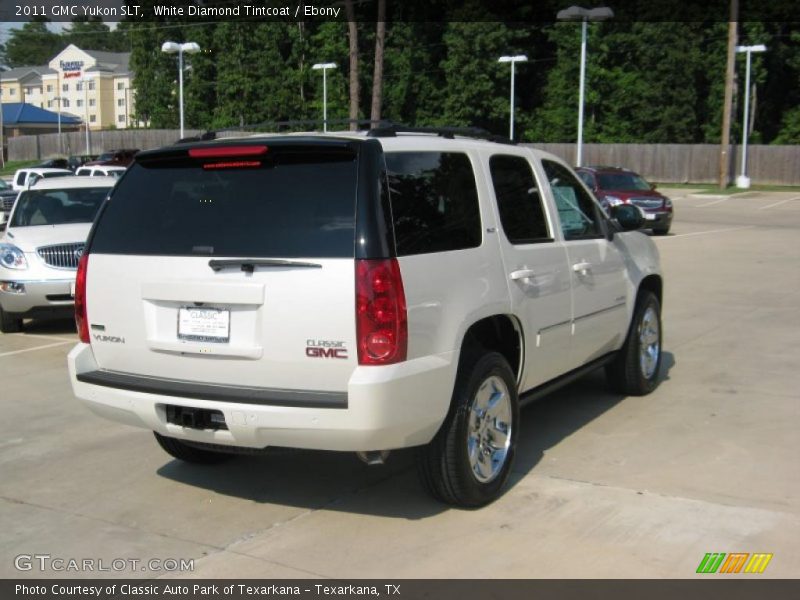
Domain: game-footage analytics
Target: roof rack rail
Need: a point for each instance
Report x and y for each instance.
(392, 129)
(278, 126)
(378, 128)
(203, 137)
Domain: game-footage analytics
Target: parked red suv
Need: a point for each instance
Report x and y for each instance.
(615, 185)
(121, 158)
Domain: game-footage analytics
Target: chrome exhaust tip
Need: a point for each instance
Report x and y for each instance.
(373, 457)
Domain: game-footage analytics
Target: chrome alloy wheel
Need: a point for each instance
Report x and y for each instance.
(489, 429)
(649, 343)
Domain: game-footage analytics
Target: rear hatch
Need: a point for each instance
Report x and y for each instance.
(230, 265)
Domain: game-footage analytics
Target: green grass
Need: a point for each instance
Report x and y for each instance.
(13, 165)
(713, 189)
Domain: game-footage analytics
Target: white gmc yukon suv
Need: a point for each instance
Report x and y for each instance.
(358, 292)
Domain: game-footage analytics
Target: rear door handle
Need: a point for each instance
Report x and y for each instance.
(522, 274)
(582, 268)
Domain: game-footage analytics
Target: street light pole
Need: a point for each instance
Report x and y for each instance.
(60, 145)
(513, 60)
(581, 91)
(85, 84)
(577, 13)
(172, 48)
(743, 181)
(324, 67)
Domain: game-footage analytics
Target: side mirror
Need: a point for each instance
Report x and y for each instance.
(628, 216)
(653, 186)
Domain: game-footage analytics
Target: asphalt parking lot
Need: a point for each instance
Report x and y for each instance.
(604, 485)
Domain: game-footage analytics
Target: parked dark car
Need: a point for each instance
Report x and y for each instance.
(121, 157)
(77, 161)
(615, 185)
(55, 163)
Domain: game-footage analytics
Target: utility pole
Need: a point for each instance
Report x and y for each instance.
(725, 142)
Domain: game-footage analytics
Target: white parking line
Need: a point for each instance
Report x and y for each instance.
(36, 348)
(778, 203)
(711, 203)
(44, 337)
(703, 232)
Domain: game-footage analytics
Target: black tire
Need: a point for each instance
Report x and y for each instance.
(661, 231)
(444, 465)
(631, 373)
(9, 323)
(192, 454)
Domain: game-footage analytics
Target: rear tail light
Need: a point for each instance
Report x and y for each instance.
(81, 320)
(381, 324)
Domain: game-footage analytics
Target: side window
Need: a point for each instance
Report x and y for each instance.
(587, 178)
(21, 178)
(576, 209)
(434, 202)
(518, 200)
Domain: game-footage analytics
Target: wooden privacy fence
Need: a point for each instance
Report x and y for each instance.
(688, 163)
(665, 163)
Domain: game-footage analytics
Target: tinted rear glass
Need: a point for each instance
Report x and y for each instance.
(298, 202)
(434, 202)
(57, 207)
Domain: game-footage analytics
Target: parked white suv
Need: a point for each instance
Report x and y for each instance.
(358, 292)
(40, 248)
(24, 178)
(100, 171)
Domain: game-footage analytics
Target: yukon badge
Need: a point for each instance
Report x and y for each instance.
(325, 349)
(111, 339)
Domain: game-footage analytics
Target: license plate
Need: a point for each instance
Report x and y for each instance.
(202, 324)
(72, 288)
(650, 216)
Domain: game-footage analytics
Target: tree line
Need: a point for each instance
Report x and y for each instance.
(647, 81)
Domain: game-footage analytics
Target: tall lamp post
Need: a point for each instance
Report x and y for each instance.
(513, 60)
(85, 86)
(577, 13)
(188, 48)
(60, 145)
(324, 67)
(743, 181)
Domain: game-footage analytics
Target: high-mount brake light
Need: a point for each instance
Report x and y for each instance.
(228, 151)
(231, 164)
(381, 318)
(81, 318)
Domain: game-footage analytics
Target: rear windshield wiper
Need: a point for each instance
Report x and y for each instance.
(248, 265)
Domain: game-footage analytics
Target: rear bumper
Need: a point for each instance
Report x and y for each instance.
(384, 408)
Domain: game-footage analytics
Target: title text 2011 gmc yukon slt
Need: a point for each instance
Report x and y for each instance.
(358, 292)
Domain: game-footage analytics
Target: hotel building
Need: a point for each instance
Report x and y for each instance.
(92, 85)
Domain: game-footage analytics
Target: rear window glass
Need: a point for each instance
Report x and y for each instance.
(434, 202)
(297, 202)
(57, 207)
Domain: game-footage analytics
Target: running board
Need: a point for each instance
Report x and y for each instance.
(559, 382)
